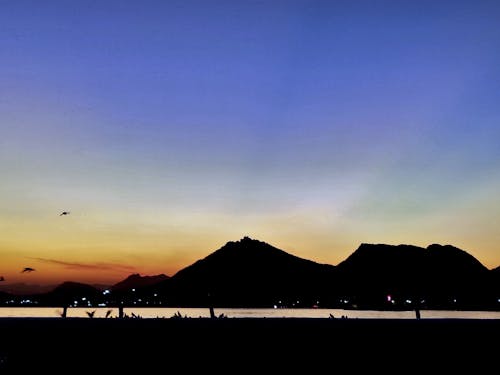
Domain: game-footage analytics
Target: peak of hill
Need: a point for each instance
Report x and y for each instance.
(380, 257)
(72, 287)
(245, 255)
(248, 272)
(137, 281)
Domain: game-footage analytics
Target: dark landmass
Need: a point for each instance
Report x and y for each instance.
(234, 345)
(25, 289)
(251, 273)
(248, 273)
(5, 296)
(137, 281)
(438, 276)
(68, 292)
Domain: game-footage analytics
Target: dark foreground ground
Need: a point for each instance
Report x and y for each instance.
(240, 345)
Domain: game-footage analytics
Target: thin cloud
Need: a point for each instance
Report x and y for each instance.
(88, 266)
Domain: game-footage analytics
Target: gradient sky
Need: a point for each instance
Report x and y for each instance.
(168, 128)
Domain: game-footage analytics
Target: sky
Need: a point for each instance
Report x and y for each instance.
(168, 128)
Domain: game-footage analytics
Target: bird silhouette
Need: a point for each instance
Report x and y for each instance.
(90, 313)
(64, 213)
(27, 269)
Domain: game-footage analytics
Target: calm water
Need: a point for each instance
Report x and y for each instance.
(100, 312)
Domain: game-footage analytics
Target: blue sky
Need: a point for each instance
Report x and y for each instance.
(171, 127)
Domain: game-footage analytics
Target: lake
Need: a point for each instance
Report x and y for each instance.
(100, 312)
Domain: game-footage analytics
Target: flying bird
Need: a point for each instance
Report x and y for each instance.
(27, 269)
(64, 213)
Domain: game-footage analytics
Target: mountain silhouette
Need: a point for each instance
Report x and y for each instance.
(137, 281)
(437, 275)
(69, 292)
(248, 273)
(252, 273)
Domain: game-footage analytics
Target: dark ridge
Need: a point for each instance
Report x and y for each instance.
(25, 289)
(252, 273)
(439, 275)
(69, 292)
(454, 259)
(248, 273)
(137, 281)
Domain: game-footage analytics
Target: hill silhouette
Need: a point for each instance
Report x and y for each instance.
(137, 281)
(252, 273)
(69, 292)
(441, 276)
(249, 273)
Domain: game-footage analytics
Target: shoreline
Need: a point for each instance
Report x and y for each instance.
(204, 312)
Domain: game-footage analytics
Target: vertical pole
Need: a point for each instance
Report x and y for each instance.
(210, 307)
(417, 306)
